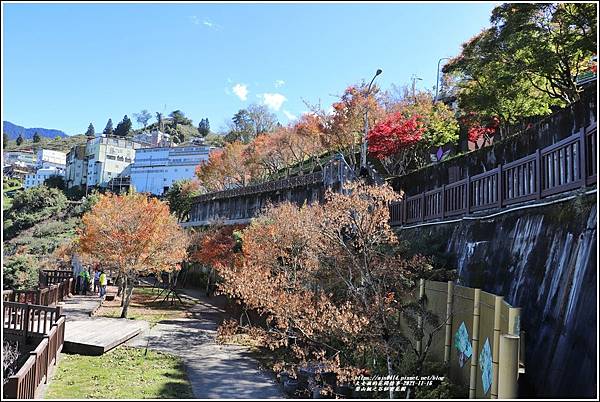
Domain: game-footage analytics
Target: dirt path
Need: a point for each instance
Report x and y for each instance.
(215, 371)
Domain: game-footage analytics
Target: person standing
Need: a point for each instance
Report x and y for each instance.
(86, 281)
(103, 281)
(96, 281)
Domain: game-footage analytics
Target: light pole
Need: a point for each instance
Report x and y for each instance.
(414, 81)
(363, 150)
(437, 77)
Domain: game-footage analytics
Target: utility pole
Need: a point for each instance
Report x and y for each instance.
(414, 80)
(363, 150)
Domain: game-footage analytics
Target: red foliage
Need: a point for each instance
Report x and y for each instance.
(216, 246)
(395, 133)
(477, 131)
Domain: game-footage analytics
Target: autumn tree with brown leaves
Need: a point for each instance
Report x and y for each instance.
(136, 235)
(330, 280)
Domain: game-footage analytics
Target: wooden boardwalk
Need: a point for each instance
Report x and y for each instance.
(94, 336)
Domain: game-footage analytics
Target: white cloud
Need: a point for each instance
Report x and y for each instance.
(241, 91)
(273, 101)
(289, 115)
(208, 23)
(279, 83)
(194, 20)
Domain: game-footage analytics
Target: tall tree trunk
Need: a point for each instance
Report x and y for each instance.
(127, 297)
(119, 285)
(122, 287)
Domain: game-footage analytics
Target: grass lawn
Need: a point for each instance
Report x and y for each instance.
(143, 307)
(122, 373)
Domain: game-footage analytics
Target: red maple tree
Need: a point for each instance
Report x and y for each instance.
(395, 133)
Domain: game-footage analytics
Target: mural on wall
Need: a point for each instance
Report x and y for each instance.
(463, 344)
(485, 364)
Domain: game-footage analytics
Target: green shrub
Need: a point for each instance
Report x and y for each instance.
(34, 205)
(51, 228)
(20, 272)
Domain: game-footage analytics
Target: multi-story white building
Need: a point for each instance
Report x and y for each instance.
(106, 158)
(98, 161)
(38, 178)
(156, 169)
(47, 158)
(22, 158)
(76, 168)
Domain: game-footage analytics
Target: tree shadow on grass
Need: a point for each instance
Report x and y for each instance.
(176, 390)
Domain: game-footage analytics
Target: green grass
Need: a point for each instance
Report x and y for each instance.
(122, 373)
(143, 307)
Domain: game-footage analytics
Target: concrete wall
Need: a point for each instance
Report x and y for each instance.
(543, 260)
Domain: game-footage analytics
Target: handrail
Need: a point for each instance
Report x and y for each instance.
(568, 164)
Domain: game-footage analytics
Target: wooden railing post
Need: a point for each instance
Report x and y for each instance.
(468, 195)
(538, 173)
(500, 186)
(423, 206)
(582, 157)
(25, 323)
(443, 201)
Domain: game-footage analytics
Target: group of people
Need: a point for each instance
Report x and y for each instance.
(97, 279)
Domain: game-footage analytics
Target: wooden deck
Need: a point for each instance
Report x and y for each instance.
(98, 335)
(94, 336)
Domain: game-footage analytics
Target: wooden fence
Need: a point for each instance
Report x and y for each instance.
(29, 319)
(26, 382)
(564, 166)
(44, 296)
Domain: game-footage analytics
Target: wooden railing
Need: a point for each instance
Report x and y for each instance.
(23, 321)
(44, 296)
(26, 382)
(561, 167)
(29, 319)
(51, 276)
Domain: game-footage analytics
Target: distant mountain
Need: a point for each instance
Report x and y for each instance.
(13, 131)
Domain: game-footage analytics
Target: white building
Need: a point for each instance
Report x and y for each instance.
(106, 158)
(155, 169)
(47, 158)
(76, 168)
(98, 161)
(38, 178)
(155, 138)
(21, 158)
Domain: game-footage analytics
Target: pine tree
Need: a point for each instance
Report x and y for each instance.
(124, 127)
(108, 130)
(204, 127)
(5, 140)
(19, 139)
(36, 137)
(91, 132)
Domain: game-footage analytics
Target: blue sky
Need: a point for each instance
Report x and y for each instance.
(66, 65)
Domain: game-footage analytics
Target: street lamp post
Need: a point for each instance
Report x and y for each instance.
(363, 150)
(437, 77)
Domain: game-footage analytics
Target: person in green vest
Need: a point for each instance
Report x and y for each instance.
(103, 282)
(85, 279)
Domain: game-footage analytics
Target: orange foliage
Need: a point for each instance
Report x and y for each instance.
(133, 233)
